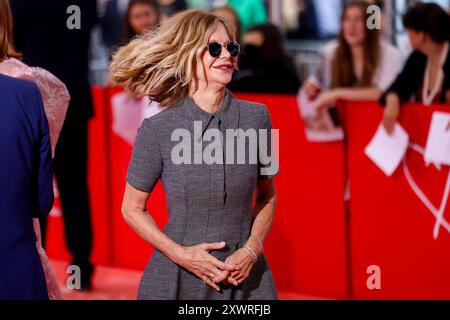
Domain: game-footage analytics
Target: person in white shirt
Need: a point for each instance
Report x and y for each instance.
(357, 66)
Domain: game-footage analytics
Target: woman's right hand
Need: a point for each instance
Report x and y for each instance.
(391, 112)
(312, 90)
(200, 262)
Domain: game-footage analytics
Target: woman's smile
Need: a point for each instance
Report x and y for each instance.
(224, 66)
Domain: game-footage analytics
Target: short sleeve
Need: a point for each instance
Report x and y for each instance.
(145, 167)
(267, 148)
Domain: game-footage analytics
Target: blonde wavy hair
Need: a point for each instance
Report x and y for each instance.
(163, 63)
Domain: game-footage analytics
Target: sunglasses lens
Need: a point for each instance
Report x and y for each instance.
(233, 49)
(215, 49)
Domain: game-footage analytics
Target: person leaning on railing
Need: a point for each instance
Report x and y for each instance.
(426, 75)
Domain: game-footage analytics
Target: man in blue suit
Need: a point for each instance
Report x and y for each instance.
(26, 188)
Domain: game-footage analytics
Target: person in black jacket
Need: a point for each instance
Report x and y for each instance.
(47, 34)
(426, 75)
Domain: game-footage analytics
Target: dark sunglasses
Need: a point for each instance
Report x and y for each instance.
(215, 48)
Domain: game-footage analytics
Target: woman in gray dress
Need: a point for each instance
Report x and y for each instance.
(212, 245)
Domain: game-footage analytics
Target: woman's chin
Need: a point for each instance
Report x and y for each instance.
(222, 81)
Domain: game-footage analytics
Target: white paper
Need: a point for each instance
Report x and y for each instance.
(387, 151)
(437, 150)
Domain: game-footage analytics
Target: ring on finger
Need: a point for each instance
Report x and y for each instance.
(208, 279)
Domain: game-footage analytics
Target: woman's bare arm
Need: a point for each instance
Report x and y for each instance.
(134, 213)
(195, 259)
(263, 212)
(359, 94)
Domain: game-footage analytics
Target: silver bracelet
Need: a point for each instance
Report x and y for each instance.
(251, 253)
(260, 243)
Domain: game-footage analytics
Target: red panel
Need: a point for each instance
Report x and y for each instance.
(130, 251)
(390, 227)
(306, 246)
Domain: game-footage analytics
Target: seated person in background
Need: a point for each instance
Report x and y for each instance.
(426, 75)
(264, 65)
(358, 66)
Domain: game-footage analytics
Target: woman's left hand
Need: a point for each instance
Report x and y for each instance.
(242, 259)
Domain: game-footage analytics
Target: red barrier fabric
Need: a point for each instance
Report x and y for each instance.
(390, 227)
(306, 246)
(130, 251)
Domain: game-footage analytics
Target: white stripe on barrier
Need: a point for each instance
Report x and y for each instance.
(437, 213)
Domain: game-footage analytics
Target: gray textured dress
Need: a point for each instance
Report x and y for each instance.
(206, 202)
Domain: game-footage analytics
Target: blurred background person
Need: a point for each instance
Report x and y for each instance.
(141, 16)
(112, 22)
(426, 75)
(229, 14)
(265, 66)
(358, 66)
(44, 39)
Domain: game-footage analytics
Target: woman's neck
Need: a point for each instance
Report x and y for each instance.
(208, 98)
(357, 52)
(434, 52)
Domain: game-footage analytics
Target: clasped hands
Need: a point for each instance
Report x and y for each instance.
(235, 270)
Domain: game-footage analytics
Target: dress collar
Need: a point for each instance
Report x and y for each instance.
(228, 114)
